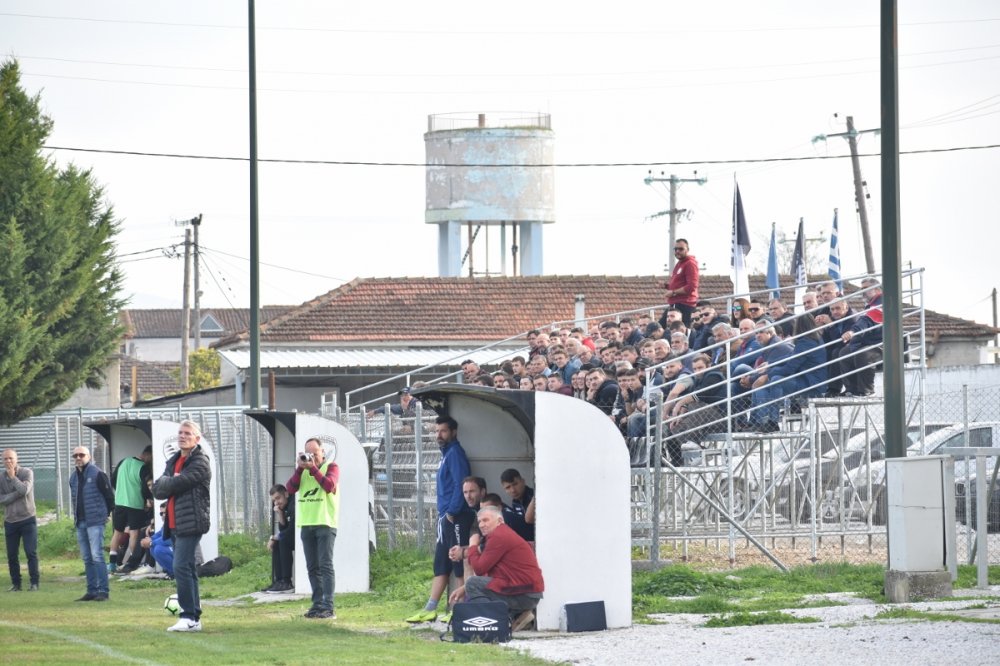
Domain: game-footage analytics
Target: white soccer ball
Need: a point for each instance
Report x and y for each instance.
(171, 605)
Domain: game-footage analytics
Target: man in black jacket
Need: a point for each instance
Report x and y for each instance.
(185, 485)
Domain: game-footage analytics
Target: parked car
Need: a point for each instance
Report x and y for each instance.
(864, 489)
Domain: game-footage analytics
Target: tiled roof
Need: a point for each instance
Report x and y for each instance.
(166, 323)
(400, 310)
(152, 379)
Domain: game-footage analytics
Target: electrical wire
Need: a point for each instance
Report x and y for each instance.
(565, 165)
(283, 268)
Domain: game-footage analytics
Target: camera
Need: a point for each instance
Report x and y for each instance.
(305, 457)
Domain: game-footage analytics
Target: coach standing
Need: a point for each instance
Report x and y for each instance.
(17, 494)
(185, 485)
(92, 502)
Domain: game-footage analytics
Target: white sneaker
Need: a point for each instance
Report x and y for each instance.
(185, 624)
(144, 570)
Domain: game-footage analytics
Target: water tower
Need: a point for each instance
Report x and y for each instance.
(490, 171)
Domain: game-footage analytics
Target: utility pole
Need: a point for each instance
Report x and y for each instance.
(674, 211)
(186, 317)
(859, 186)
(996, 355)
(196, 222)
(785, 240)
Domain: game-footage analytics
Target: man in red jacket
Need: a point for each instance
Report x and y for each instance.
(506, 569)
(682, 289)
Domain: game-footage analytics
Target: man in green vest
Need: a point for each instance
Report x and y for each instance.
(133, 506)
(315, 483)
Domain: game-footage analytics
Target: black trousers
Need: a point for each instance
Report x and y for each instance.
(282, 559)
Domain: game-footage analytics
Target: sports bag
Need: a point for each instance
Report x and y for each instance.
(480, 622)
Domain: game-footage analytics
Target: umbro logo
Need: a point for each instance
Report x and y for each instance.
(480, 621)
(311, 492)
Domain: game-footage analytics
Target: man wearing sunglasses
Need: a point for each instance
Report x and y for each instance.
(92, 500)
(682, 289)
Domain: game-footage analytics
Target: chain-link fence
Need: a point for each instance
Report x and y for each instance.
(815, 490)
(242, 447)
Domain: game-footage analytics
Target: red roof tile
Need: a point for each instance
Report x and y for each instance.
(398, 310)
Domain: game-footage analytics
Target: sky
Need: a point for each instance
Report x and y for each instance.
(676, 84)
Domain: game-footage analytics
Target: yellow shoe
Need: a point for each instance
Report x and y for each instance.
(446, 618)
(423, 616)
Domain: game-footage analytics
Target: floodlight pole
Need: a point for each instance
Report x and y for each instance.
(254, 379)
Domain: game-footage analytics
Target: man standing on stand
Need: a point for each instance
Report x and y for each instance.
(17, 494)
(682, 289)
(185, 485)
(315, 483)
(93, 501)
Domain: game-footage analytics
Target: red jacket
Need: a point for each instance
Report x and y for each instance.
(685, 276)
(510, 561)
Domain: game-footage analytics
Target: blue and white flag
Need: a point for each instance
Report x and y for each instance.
(772, 268)
(834, 269)
(741, 247)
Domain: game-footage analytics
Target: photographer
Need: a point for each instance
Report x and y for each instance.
(282, 545)
(317, 505)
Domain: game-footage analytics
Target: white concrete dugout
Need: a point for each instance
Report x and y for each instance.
(289, 432)
(128, 437)
(573, 456)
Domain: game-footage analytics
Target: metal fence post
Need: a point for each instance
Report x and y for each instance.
(418, 445)
(389, 504)
(654, 514)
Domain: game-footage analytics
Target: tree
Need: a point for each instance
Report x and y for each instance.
(203, 370)
(59, 283)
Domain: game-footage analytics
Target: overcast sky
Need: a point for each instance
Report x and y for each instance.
(638, 82)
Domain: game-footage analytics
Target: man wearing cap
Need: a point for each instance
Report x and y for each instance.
(682, 289)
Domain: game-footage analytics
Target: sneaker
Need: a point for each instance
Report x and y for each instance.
(446, 618)
(14, 588)
(33, 588)
(144, 570)
(281, 586)
(100, 597)
(522, 621)
(185, 624)
(125, 570)
(317, 614)
(423, 616)
(86, 597)
(112, 566)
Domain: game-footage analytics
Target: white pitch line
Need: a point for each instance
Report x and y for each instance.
(70, 638)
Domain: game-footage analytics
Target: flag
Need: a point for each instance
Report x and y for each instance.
(741, 247)
(799, 266)
(834, 269)
(772, 268)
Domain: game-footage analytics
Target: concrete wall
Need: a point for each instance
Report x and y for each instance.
(108, 396)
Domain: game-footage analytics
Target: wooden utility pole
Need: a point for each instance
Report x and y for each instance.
(186, 317)
(859, 187)
(197, 284)
(674, 212)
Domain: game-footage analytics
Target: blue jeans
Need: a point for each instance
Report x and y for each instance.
(317, 546)
(26, 532)
(91, 542)
(186, 576)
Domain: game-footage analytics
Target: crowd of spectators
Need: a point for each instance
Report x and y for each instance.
(754, 353)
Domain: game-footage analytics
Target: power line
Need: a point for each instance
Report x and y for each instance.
(568, 165)
(284, 268)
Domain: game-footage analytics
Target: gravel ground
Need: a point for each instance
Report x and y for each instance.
(845, 635)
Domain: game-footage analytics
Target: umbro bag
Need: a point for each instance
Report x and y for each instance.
(480, 622)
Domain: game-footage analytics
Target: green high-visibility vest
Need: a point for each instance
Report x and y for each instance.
(315, 506)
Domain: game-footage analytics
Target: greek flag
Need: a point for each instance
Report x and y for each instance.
(834, 269)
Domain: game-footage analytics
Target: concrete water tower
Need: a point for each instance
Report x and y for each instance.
(490, 171)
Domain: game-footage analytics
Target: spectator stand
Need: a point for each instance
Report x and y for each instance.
(572, 455)
(355, 531)
(128, 437)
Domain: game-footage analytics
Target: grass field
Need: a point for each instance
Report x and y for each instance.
(48, 627)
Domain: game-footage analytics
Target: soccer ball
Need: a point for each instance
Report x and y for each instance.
(171, 605)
